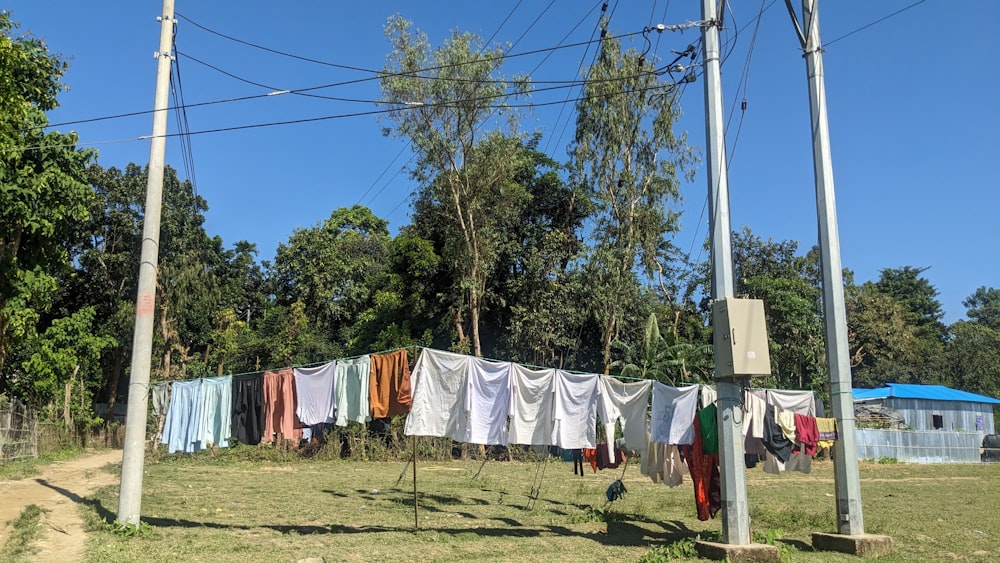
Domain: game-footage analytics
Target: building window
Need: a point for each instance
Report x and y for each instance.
(937, 421)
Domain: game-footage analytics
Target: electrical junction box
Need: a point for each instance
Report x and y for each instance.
(740, 338)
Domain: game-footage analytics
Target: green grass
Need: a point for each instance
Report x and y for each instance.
(264, 505)
(23, 468)
(25, 529)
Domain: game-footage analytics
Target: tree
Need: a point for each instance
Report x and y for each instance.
(918, 298)
(441, 100)
(983, 307)
(42, 188)
(881, 341)
(627, 159)
(974, 358)
(332, 268)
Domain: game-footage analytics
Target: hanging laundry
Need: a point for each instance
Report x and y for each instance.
(279, 406)
(674, 410)
(389, 385)
(753, 415)
(709, 395)
(708, 422)
(487, 402)
(531, 406)
(627, 402)
(704, 470)
(802, 402)
(439, 387)
(575, 410)
(609, 459)
(590, 456)
(351, 388)
(806, 434)
(774, 439)
(786, 421)
(180, 430)
(662, 464)
(314, 393)
(247, 421)
(214, 425)
(159, 397)
(827, 431)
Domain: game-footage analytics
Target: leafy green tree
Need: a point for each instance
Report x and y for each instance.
(42, 187)
(881, 341)
(627, 159)
(440, 100)
(332, 268)
(918, 298)
(983, 307)
(974, 358)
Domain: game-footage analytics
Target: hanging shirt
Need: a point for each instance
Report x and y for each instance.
(627, 402)
(487, 402)
(279, 406)
(662, 464)
(709, 395)
(806, 433)
(704, 470)
(708, 422)
(775, 441)
(786, 421)
(159, 395)
(802, 402)
(827, 430)
(214, 424)
(575, 410)
(389, 385)
(753, 416)
(314, 389)
(439, 386)
(531, 406)
(673, 413)
(351, 388)
(247, 421)
(180, 430)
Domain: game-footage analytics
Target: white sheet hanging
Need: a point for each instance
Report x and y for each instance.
(575, 410)
(487, 402)
(314, 393)
(531, 406)
(351, 384)
(673, 414)
(439, 388)
(628, 402)
(801, 402)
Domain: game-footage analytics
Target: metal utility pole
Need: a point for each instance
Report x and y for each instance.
(847, 480)
(130, 500)
(735, 516)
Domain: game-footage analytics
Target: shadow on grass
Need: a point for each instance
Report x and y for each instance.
(617, 533)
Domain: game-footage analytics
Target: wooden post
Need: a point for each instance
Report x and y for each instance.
(416, 523)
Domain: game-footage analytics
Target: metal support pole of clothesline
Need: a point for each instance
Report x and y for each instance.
(416, 523)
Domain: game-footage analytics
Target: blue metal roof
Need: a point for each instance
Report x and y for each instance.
(912, 391)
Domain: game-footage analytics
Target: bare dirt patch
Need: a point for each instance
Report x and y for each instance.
(59, 488)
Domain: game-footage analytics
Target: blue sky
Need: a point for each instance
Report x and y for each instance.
(912, 104)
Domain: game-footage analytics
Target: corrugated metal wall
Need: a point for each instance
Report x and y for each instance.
(957, 416)
(930, 446)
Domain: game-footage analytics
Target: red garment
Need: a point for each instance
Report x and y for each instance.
(279, 406)
(704, 469)
(806, 434)
(590, 454)
(389, 384)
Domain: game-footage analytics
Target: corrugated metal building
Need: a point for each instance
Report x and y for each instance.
(933, 407)
(940, 424)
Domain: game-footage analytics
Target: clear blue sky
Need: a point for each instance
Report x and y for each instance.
(912, 101)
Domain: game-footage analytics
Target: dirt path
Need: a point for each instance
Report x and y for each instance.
(58, 488)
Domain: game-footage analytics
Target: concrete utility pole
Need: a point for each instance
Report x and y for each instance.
(130, 500)
(846, 477)
(735, 516)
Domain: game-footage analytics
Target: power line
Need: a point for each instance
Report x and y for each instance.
(503, 23)
(878, 21)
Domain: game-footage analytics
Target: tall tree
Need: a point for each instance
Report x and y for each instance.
(627, 158)
(983, 307)
(441, 100)
(42, 187)
(918, 297)
(881, 340)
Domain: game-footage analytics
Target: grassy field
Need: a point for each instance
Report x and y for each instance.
(240, 507)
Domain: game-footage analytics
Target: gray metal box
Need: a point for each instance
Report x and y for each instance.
(740, 338)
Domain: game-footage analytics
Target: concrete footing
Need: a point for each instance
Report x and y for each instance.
(864, 545)
(748, 553)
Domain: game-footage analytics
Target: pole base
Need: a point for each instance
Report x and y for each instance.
(749, 553)
(862, 545)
